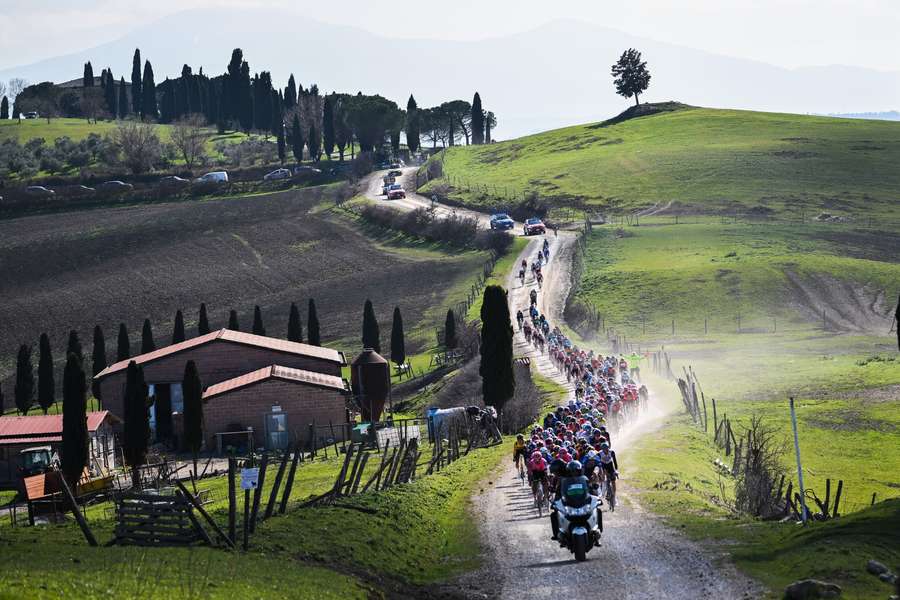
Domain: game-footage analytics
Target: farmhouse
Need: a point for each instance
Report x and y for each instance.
(20, 432)
(273, 386)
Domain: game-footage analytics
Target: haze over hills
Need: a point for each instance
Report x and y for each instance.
(555, 75)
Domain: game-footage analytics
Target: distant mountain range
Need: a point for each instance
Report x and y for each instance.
(891, 115)
(555, 75)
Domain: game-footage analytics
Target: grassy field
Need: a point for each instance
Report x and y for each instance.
(698, 159)
(409, 536)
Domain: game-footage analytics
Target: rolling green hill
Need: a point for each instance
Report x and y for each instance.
(699, 159)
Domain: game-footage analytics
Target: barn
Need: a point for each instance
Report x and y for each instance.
(246, 377)
(20, 432)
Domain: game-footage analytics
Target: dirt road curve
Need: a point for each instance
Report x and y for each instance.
(640, 558)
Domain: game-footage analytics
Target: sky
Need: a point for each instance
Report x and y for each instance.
(787, 33)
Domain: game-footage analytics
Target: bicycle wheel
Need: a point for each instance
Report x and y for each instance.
(539, 499)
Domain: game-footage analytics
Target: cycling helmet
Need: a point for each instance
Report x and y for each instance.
(573, 469)
(536, 455)
(520, 437)
(604, 445)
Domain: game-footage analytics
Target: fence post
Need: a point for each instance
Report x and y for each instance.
(799, 464)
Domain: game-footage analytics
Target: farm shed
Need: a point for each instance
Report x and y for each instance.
(220, 356)
(277, 402)
(20, 432)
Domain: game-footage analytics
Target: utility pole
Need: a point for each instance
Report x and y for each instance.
(803, 511)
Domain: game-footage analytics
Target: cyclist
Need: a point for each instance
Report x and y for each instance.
(608, 463)
(520, 318)
(537, 467)
(519, 456)
(533, 296)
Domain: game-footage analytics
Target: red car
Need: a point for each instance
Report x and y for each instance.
(396, 193)
(534, 227)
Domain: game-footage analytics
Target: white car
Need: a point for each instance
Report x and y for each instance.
(277, 174)
(213, 177)
(39, 190)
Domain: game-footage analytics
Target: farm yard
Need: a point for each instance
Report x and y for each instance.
(122, 265)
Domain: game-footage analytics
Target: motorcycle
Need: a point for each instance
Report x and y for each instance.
(580, 524)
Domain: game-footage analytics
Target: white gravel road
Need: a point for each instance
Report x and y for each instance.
(639, 557)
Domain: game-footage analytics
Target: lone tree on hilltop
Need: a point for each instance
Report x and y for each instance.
(137, 421)
(147, 342)
(398, 339)
(371, 335)
(498, 382)
(295, 326)
(233, 321)
(412, 124)
(178, 328)
(192, 391)
(258, 327)
(74, 421)
(450, 340)
(98, 360)
(312, 324)
(203, 322)
(123, 346)
(46, 393)
(630, 75)
(24, 390)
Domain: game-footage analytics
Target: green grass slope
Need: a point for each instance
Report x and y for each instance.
(696, 158)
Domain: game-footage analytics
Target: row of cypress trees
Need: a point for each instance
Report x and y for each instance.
(371, 333)
(27, 390)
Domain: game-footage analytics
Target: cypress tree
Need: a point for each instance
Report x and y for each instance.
(371, 336)
(4, 108)
(290, 93)
(450, 340)
(498, 382)
(233, 321)
(137, 421)
(74, 346)
(98, 360)
(312, 324)
(314, 143)
(203, 323)
(328, 126)
(136, 92)
(295, 327)
(123, 99)
(24, 390)
(245, 98)
(192, 393)
(282, 151)
(88, 79)
(178, 329)
(258, 327)
(46, 395)
(412, 124)
(297, 139)
(109, 94)
(148, 94)
(123, 346)
(74, 421)
(398, 339)
(147, 342)
(477, 120)
(2, 405)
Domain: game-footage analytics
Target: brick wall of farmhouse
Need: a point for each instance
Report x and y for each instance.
(302, 403)
(216, 361)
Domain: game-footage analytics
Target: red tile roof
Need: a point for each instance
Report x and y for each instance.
(42, 428)
(236, 337)
(276, 372)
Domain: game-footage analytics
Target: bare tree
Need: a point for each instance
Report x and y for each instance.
(759, 468)
(16, 85)
(92, 104)
(189, 137)
(137, 146)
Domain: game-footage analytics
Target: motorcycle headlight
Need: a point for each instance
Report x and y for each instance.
(580, 512)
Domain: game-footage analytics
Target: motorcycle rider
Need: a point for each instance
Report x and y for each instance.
(573, 489)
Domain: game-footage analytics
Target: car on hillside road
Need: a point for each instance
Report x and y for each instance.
(213, 178)
(174, 181)
(502, 222)
(534, 226)
(396, 192)
(80, 190)
(277, 175)
(30, 115)
(114, 187)
(39, 191)
(306, 171)
(395, 173)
